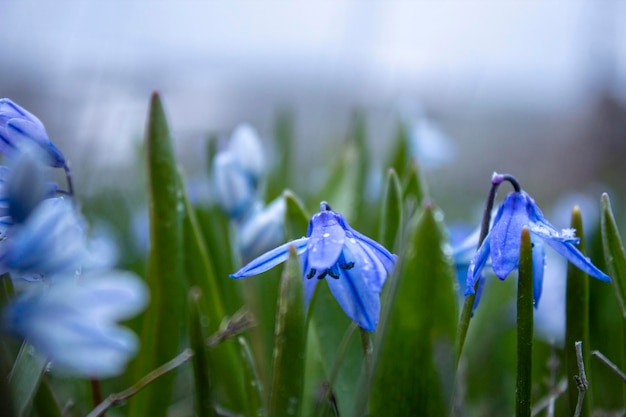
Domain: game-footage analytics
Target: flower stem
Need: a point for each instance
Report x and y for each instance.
(581, 379)
(468, 305)
(68, 177)
(524, 327)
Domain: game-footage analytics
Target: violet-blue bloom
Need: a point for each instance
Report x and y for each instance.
(74, 325)
(18, 126)
(354, 265)
(503, 243)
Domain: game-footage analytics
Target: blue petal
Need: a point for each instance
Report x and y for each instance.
(569, 251)
(365, 259)
(387, 258)
(539, 265)
(326, 241)
(270, 259)
(474, 272)
(506, 234)
(357, 300)
(22, 131)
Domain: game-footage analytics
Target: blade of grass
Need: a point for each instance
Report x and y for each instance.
(163, 320)
(289, 343)
(576, 319)
(524, 327)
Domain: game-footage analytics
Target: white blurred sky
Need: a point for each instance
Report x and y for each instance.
(218, 63)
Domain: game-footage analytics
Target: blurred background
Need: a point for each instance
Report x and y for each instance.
(536, 89)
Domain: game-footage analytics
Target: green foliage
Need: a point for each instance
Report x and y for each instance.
(163, 321)
(415, 365)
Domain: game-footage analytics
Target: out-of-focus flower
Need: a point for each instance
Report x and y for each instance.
(74, 323)
(51, 241)
(18, 127)
(237, 172)
(263, 229)
(502, 243)
(355, 266)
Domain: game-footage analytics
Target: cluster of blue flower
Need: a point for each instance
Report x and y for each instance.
(68, 299)
(356, 267)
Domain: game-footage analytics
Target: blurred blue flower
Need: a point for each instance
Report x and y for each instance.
(263, 229)
(355, 265)
(237, 173)
(503, 243)
(51, 241)
(463, 251)
(74, 323)
(18, 126)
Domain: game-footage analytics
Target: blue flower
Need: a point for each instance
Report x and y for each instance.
(354, 265)
(74, 325)
(237, 173)
(18, 126)
(51, 241)
(503, 243)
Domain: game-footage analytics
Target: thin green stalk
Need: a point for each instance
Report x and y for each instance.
(577, 320)
(468, 305)
(524, 327)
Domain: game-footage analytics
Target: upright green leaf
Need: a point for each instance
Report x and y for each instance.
(296, 217)
(200, 360)
(576, 320)
(391, 212)
(280, 177)
(289, 343)
(199, 272)
(614, 254)
(25, 377)
(524, 327)
(253, 385)
(163, 320)
(400, 154)
(414, 362)
(414, 188)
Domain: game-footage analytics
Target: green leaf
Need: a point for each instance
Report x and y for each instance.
(45, 403)
(413, 361)
(200, 361)
(289, 343)
(400, 155)
(252, 383)
(391, 212)
(577, 320)
(614, 254)
(414, 190)
(199, 272)
(524, 327)
(25, 377)
(163, 320)
(296, 217)
(279, 177)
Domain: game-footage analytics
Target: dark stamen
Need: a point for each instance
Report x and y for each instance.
(333, 274)
(311, 273)
(347, 266)
(324, 206)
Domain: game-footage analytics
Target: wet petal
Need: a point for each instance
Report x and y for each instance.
(474, 272)
(326, 241)
(387, 258)
(310, 281)
(576, 257)
(506, 234)
(355, 297)
(361, 255)
(270, 259)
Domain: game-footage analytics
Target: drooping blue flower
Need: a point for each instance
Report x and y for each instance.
(74, 325)
(502, 243)
(18, 126)
(355, 266)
